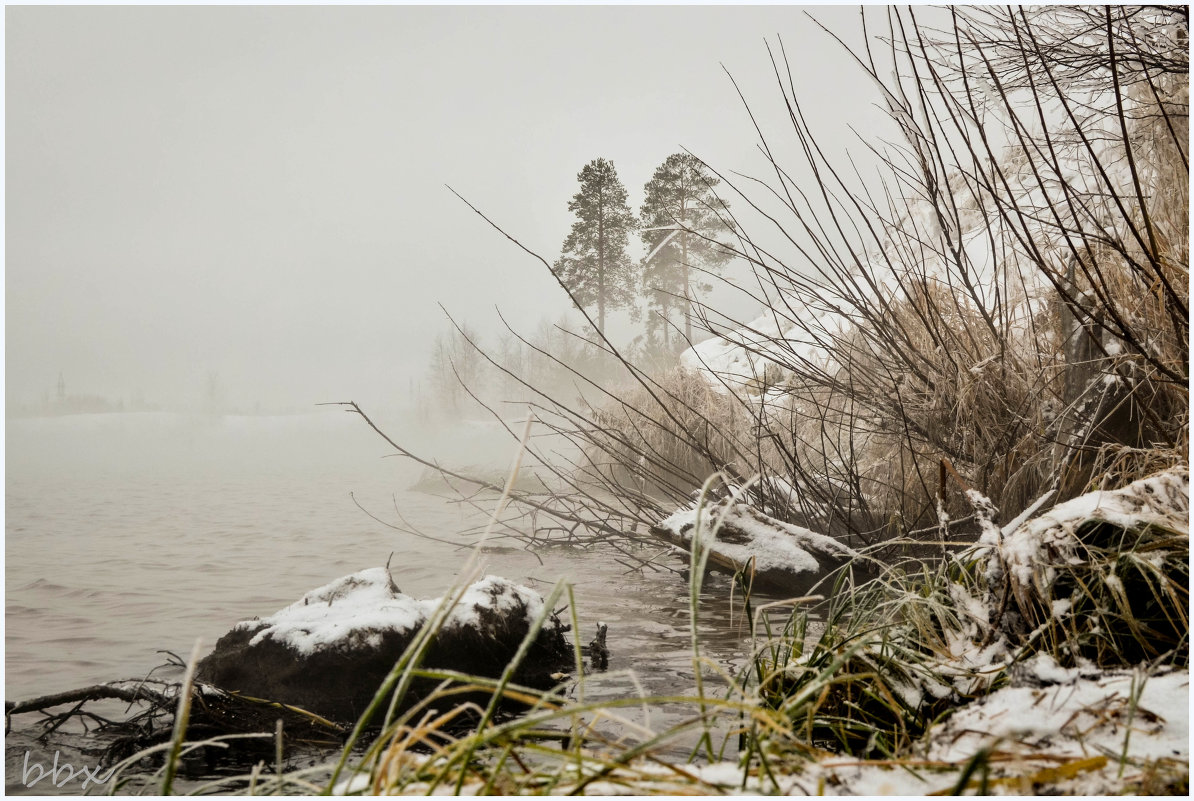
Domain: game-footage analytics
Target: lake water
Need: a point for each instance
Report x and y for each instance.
(133, 533)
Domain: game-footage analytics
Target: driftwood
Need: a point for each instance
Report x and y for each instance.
(738, 549)
(263, 674)
(213, 712)
(716, 560)
(131, 691)
(340, 683)
(596, 650)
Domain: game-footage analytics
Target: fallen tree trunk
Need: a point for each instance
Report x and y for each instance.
(316, 665)
(770, 553)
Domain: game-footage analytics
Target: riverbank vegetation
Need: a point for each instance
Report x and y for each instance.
(1051, 658)
(956, 368)
(1007, 311)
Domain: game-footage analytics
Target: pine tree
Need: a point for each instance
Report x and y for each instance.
(594, 265)
(680, 220)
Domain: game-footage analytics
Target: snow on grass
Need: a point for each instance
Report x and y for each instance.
(1081, 733)
(1044, 668)
(1080, 718)
(1068, 737)
(355, 610)
(1029, 550)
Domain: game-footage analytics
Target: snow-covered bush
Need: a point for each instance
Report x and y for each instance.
(1099, 582)
(1104, 577)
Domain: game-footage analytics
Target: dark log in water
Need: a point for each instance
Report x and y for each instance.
(315, 667)
(330, 652)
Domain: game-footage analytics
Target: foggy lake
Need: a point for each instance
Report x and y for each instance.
(218, 218)
(128, 534)
(844, 302)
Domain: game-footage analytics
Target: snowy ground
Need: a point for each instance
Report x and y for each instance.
(1054, 731)
(1082, 735)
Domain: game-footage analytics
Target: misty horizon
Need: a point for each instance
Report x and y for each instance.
(257, 197)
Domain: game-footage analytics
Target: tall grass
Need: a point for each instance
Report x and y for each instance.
(897, 653)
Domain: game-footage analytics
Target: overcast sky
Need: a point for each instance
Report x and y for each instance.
(259, 192)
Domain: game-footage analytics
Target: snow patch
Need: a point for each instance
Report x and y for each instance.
(355, 610)
(773, 544)
(1077, 717)
(1029, 550)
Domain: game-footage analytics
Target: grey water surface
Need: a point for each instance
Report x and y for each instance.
(130, 534)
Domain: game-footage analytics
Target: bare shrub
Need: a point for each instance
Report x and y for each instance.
(1007, 312)
(635, 442)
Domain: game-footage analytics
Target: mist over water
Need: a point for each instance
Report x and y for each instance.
(130, 534)
(258, 220)
(258, 193)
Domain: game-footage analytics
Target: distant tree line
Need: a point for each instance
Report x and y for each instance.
(469, 375)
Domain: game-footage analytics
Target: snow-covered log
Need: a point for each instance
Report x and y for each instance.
(329, 651)
(1032, 550)
(741, 538)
